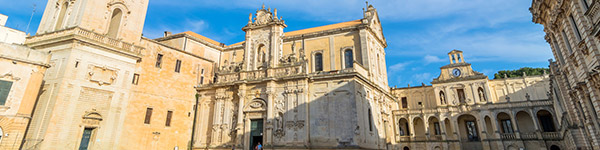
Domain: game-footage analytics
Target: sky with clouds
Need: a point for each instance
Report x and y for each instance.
(493, 34)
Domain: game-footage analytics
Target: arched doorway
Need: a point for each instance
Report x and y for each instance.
(435, 130)
(403, 127)
(254, 120)
(406, 148)
(505, 123)
(419, 127)
(468, 128)
(554, 147)
(546, 121)
(525, 122)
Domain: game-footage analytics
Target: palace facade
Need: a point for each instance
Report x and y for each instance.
(572, 29)
(108, 87)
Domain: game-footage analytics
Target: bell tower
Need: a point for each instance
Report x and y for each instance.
(264, 38)
(117, 19)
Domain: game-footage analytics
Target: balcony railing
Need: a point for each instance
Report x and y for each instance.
(551, 135)
(508, 136)
(91, 36)
(529, 135)
(420, 138)
(436, 137)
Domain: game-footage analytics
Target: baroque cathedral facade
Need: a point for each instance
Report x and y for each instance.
(105, 86)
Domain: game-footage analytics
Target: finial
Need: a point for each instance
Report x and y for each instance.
(367, 2)
(275, 13)
(263, 6)
(250, 18)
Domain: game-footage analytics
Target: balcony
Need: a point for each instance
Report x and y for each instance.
(551, 135)
(529, 136)
(85, 36)
(508, 136)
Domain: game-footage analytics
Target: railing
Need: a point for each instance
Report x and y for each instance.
(228, 77)
(529, 135)
(551, 135)
(508, 136)
(593, 12)
(459, 108)
(255, 75)
(89, 35)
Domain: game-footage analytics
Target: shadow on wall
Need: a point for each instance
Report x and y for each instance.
(338, 116)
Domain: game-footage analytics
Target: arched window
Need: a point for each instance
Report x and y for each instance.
(318, 62)
(115, 23)
(348, 58)
(1, 134)
(61, 16)
(481, 94)
(442, 98)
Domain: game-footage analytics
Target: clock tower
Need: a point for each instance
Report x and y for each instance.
(457, 70)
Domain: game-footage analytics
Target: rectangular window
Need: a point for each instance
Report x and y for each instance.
(566, 39)
(318, 62)
(461, 95)
(178, 65)
(558, 52)
(159, 60)
(148, 115)
(370, 121)
(169, 115)
(4, 91)
(471, 131)
(436, 126)
(202, 72)
(404, 102)
(506, 126)
(201, 80)
(136, 78)
(575, 28)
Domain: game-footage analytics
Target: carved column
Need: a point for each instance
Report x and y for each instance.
(240, 116)
(268, 136)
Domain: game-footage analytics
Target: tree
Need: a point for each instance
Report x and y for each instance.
(519, 73)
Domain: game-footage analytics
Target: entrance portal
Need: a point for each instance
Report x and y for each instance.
(256, 133)
(85, 139)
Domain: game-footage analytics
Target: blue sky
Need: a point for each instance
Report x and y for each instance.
(494, 34)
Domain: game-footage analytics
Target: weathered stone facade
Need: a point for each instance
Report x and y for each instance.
(572, 29)
(21, 73)
(318, 88)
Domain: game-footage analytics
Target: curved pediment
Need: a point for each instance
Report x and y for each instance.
(255, 105)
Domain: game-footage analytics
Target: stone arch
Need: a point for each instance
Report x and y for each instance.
(488, 126)
(405, 148)
(468, 127)
(546, 120)
(524, 122)
(505, 122)
(61, 15)
(449, 131)
(403, 127)
(91, 118)
(434, 126)
(419, 127)
(437, 148)
(117, 14)
(554, 147)
(1, 134)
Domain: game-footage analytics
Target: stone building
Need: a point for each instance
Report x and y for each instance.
(10, 35)
(463, 109)
(573, 31)
(21, 73)
(318, 88)
(325, 87)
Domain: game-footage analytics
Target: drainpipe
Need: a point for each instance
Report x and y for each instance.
(194, 122)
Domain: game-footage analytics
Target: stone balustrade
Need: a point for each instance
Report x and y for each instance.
(508, 136)
(529, 135)
(551, 135)
(88, 36)
(466, 108)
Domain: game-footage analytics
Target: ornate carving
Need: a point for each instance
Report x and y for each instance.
(256, 105)
(102, 75)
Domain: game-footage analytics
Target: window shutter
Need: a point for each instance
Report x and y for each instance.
(4, 90)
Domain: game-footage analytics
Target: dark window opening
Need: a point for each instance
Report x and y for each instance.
(169, 116)
(178, 66)
(471, 131)
(370, 121)
(148, 115)
(461, 95)
(506, 126)
(348, 58)
(159, 58)
(318, 62)
(404, 102)
(436, 126)
(5, 87)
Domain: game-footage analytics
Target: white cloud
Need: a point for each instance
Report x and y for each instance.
(432, 59)
(399, 66)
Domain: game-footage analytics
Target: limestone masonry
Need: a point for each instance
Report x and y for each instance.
(89, 80)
